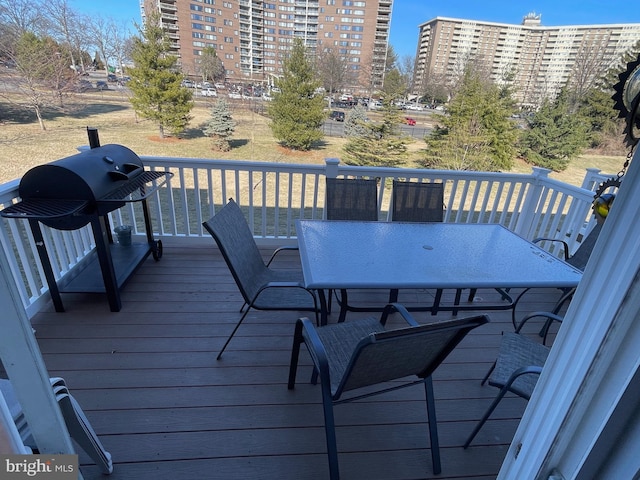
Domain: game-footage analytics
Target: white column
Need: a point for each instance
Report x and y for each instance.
(580, 407)
(23, 363)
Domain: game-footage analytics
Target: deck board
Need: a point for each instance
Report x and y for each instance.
(148, 380)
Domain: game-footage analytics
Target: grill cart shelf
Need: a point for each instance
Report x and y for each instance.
(102, 179)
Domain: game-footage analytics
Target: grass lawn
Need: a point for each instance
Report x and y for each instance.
(23, 145)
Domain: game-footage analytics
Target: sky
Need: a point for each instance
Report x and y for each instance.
(407, 15)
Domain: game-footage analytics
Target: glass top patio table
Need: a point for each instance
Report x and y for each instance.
(396, 255)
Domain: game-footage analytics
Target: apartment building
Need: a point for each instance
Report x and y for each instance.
(541, 59)
(252, 37)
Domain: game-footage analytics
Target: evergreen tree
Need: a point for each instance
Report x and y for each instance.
(375, 149)
(296, 111)
(220, 126)
(555, 135)
(597, 110)
(477, 133)
(355, 122)
(381, 144)
(156, 81)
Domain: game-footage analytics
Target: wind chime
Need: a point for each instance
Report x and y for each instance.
(627, 98)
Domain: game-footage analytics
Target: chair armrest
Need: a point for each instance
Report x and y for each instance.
(399, 308)
(548, 315)
(281, 249)
(314, 345)
(564, 244)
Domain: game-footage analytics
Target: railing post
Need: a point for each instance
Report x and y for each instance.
(331, 167)
(589, 178)
(531, 202)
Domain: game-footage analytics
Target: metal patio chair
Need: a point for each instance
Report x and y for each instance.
(578, 260)
(518, 366)
(77, 423)
(417, 201)
(350, 199)
(361, 353)
(262, 287)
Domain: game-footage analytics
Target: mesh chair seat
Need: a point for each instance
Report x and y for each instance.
(516, 352)
(517, 368)
(340, 340)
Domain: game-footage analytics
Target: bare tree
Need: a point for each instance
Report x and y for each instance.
(210, 66)
(406, 67)
(103, 31)
(434, 87)
(42, 77)
(333, 70)
(588, 68)
(20, 16)
(63, 25)
(120, 44)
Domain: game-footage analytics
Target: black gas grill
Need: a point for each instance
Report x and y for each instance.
(82, 189)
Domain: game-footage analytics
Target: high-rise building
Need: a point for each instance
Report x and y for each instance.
(252, 37)
(538, 60)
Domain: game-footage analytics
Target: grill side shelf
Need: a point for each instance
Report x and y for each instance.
(139, 188)
(42, 208)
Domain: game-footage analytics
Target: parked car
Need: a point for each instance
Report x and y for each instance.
(209, 92)
(102, 85)
(337, 115)
(187, 83)
(410, 121)
(112, 77)
(83, 86)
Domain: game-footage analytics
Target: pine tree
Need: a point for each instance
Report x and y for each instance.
(355, 122)
(380, 144)
(156, 81)
(477, 133)
(296, 111)
(555, 135)
(220, 126)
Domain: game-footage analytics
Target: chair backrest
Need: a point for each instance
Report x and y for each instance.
(393, 354)
(231, 232)
(417, 202)
(581, 256)
(351, 199)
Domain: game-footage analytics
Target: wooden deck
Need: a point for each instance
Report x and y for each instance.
(148, 381)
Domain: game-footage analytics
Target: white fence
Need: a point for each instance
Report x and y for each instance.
(274, 195)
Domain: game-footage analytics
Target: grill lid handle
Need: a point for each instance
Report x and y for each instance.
(117, 175)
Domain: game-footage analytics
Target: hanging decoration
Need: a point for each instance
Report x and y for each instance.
(627, 103)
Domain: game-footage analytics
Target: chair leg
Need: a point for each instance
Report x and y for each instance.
(433, 426)
(489, 411)
(486, 377)
(295, 353)
(393, 295)
(330, 432)
(456, 301)
(233, 333)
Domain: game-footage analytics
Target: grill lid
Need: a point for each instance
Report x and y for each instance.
(63, 193)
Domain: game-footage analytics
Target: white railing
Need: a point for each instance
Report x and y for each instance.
(274, 195)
